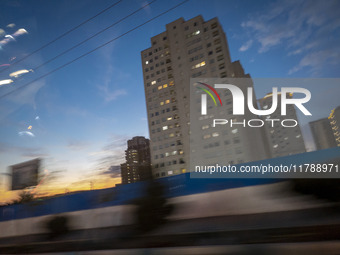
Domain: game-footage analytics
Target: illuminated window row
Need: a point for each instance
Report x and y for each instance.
(168, 154)
(207, 136)
(198, 65)
(176, 125)
(167, 101)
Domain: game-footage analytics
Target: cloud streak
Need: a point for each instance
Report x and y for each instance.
(306, 29)
(246, 46)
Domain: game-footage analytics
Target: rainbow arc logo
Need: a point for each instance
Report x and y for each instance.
(204, 96)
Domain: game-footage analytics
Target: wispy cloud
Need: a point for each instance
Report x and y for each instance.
(302, 28)
(111, 154)
(314, 59)
(26, 152)
(24, 96)
(109, 94)
(76, 145)
(246, 46)
(107, 87)
(112, 171)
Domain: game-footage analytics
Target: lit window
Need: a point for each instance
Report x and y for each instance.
(275, 146)
(198, 65)
(205, 127)
(234, 131)
(165, 127)
(153, 82)
(167, 154)
(171, 83)
(298, 136)
(167, 101)
(193, 34)
(165, 86)
(206, 136)
(146, 62)
(169, 118)
(174, 153)
(160, 87)
(215, 134)
(170, 172)
(161, 103)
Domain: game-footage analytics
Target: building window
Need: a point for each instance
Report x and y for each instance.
(193, 34)
(213, 25)
(224, 74)
(206, 136)
(236, 140)
(217, 41)
(234, 131)
(198, 65)
(219, 57)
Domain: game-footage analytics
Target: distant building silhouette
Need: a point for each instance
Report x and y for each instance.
(334, 119)
(322, 134)
(138, 164)
(282, 141)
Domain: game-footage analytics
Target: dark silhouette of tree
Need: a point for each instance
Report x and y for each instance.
(327, 189)
(152, 209)
(58, 226)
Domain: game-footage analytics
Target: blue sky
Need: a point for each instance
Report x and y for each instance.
(88, 110)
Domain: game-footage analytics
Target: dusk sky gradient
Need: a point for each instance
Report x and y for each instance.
(83, 114)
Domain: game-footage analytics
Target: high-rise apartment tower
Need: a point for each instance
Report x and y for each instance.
(138, 165)
(188, 49)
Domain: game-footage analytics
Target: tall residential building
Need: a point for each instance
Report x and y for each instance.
(334, 119)
(138, 164)
(282, 141)
(188, 49)
(322, 134)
